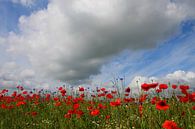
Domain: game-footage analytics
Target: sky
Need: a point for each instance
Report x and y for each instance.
(44, 43)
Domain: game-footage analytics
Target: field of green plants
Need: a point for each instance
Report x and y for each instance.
(99, 109)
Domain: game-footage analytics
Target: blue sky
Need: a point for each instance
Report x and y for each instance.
(65, 41)
(177, 53)
(10, 13)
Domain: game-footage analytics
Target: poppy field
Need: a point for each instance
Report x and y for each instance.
(157, 106)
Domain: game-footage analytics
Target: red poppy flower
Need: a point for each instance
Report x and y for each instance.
(113, 92)
(81, 89)
(68, 115)
(3, 106)
(143, 98)
(55, 98)
(109, 96)
(82, 95)
(25, 92)
(101, 106)
(63, 91)
(47, 97)
(153, 85)
(20, 103)
(168, 124)
(128, 100)
(154, 100)
(33, 113)
(95, 112)
(103, 89)
(162, 105)
(89, 108)
(174, 86)
(184, 87)
(163, 86)
(98, 90)
(57, 104)
(107, 116)
(185, 92)
(183, 99)
(193, 108)
(158, 90)
(60, 88)
(117, 102)
(76, 106)
(192, 97)
(79, 113)
(145, 87)
(127, 90)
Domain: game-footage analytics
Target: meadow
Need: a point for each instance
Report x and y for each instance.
(157, 106)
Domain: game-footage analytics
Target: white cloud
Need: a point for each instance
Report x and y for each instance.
(178, 76)
(24, 2)
(11, 71)
(70, 40)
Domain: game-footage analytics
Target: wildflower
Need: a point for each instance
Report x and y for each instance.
(76, 106)
(60, 88)
(143, 98)
(103, 89)
(174, 86)
(117, 102)
(184, 87)
(153, 100)
(20, 103)
(95, 112)
(163, 86)
(81, 89)
(168, 124)
(107, 116)
(3, 106)
(89, 108)
(33, 113)
(25, 92)
(68, 115)
(193, 108)
(101, 106)
(113, 92)
(128, 100)
(82, 95)
(63, 91)
(183, 99)
(162, 105)
(145, 87)
(109, 96)
(153, 85)
(158, 90)
(57, 104)
(127, 90)
(55, 98)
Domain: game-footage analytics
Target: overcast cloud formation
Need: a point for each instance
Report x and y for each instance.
(71, 39)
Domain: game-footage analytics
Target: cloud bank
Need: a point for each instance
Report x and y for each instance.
(71, 39)
(181, 77)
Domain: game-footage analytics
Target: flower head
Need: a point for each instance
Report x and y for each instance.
(162, 105)
(168, 124)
